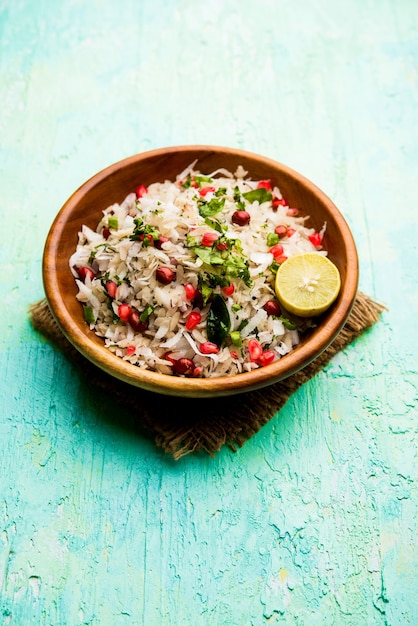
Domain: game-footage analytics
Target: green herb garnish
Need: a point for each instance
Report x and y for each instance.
(260, 195)
(287, 323)
(218, 322)
(211, 207)
(146, 313)
(142, 232)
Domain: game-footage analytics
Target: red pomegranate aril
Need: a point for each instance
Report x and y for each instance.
(106, 232)
(292, 212)
(84, 272)
(168, 357)
(206, 190)
(183, 366)
(234, 354)
(164, 275)
(207, 347)
(159, 242)
(208, 239)
(267, 357)
(148, 237)
(279, 202)
(124, 310)
(130, 350)
(315, 239)
(189, 291)
(241, 218)
(141, 191)
(222, 246)
(265, 184)
(276, 250)
(193, 320)
(229, 290)
(281, 259)
(255, 349)
(111, 288)
(197, 300)
(271, 307)
(198, 371)
(290, 232)
(134, 320)
(281, 230)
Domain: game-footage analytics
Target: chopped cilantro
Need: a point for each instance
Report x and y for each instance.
(211, 207)
(141, 230)
(146, 313)
(287, 323)
(258, 195)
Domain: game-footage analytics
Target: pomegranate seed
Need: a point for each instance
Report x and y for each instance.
(130, 350)
(241, 218)
(134, 320)
(194, 184)
(183, 366)
(206, 190)
(292, 212)
(84, 272)
(266, 184)
(146, 236)
(167, 357)
(164, 275)
(234, 354)
(315, 239)
(190, 291)
(277, 250)
(255, 349)
(198, 299)
(221, 246)
(197, 372)
(124, 311)
(279, 202)
(209, 238)
(267, 357)
(272, 308)
(280, 230)
(141, 191)
(229, 290)
(290, 232)
(207, 347)
(281, 259)
(159, 242)
(193, 320)
(106, 232)
(111, 288)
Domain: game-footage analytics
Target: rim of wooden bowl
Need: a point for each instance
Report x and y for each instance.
(61, 297)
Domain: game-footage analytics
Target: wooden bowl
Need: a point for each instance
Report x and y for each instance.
(112, 184)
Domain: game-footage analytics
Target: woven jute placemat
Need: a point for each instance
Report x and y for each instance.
(181, 426)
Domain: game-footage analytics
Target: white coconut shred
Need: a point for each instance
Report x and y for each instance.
(179, 277)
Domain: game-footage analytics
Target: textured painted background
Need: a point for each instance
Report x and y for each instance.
(314, 521)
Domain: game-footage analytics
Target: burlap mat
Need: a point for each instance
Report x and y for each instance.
(181, 426)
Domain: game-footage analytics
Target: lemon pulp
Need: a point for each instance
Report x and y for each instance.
(307, 284)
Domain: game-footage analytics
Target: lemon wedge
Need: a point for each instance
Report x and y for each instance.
(307, 284)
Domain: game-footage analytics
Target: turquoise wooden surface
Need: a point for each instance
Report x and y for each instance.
(314, 520)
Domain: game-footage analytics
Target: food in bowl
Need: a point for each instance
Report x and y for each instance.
(182, 277)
